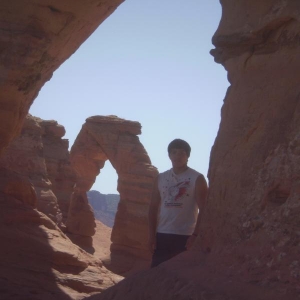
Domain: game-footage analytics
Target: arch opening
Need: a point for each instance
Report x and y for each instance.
(113, 139)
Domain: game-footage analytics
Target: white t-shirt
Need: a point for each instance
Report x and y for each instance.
(178, 209)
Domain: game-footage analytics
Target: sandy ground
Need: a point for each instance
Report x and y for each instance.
(101, 240)
(122, 264)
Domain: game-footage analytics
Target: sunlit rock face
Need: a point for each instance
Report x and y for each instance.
(25, 155)
(36, 38)
(57, 160)
(115, 139)
(249, 246)
(41, 154)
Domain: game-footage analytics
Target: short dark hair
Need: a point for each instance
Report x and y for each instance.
(180, 144)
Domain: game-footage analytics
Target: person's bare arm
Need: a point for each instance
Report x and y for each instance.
(201, 191)
(153, 214)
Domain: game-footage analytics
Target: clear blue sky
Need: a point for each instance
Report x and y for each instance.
(148, 62)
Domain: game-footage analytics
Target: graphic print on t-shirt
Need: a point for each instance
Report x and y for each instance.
(176, 194)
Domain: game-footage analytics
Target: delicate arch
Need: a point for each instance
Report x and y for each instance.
(111, 138)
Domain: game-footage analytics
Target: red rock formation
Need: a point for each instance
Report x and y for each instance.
(254, 171)
(18, 187)
(249, 246)
(114, 139)
(37, 37)
(25, 155)
(81, 225)
(59, 170)
(38, 261)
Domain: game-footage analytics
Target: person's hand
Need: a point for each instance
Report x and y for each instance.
(190, 242)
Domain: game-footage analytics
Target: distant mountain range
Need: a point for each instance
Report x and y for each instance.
(104, 205)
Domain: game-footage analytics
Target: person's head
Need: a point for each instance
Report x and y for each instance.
(179, 152)
(180, 144)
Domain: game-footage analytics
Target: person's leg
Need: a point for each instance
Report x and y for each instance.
(177, 244)
(168, 246)
(160, 253)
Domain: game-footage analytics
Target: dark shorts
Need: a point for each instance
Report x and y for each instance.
(168, 246)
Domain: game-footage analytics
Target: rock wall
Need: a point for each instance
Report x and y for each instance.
(80, 224)
(57, 159)
(254, 167)
(40, 261)
(249, 246)
(40, 154)
(25, 155)
(114, 139)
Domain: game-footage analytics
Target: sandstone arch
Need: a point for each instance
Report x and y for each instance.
(36, 38)
(251, 225)
(115, 139)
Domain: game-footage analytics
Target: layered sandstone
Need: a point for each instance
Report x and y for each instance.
(115, 139)
(25, 155)
(36, 38)
(249, 246)
(39, 262)
(81, 223)
(57, 160)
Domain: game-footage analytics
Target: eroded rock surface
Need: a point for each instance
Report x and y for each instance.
(81, 225)
(25, 155)
(249, 246)
(38, 261)
(36, 38)
(115, 139)
(57, 159)
(254, 167)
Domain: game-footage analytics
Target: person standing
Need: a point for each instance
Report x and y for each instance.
(176, 207)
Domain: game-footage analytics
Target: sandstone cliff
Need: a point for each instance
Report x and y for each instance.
(25, 155)
(57, 160)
